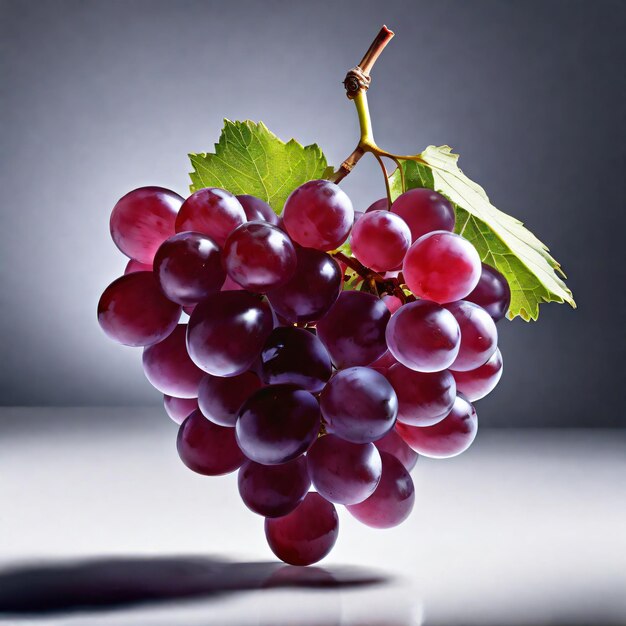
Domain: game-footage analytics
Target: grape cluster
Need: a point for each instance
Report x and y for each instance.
(318, 395)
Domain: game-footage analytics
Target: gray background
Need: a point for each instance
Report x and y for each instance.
(102, 97)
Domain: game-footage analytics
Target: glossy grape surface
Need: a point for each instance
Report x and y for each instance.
(442, 267)
(396, 446)
(353, 330)
(424, 210)
(136, 266)
(274, 490)
(359, 405)
(307, 534)
(295, 356)
(318, 215)
(207, 448)
(220, 399)
(311, 291)
(424, 336)
(226, 332)
(259, 256)
(142, 220)
(378, 205)
(212, 211)
(256, 209)
(492, 292)
(277, 424)
(449, 437)
(424, 398)
(392, 501)
(479, 337)
(344, 472)
(476, 384)
(393, 303)
(179, 408)
(168, 367)
(133, 310)
(380, 239)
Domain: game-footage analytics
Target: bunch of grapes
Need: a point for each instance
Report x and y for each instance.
(317, 394)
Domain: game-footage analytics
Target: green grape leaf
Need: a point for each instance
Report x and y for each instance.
(249, 159)
(501, 240)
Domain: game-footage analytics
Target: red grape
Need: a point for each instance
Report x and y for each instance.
(396, 446)
(133, 310)
(231, 285)
(213, 212)
(220, 399)
(319, 215)
(142, 220)
(424, 336)
(256, 209)
(307, 534)
(136, 266)
(476, 384)
(442, 267)
(383, 363)
(424, 210)
(393, 499)
(179, 408)
(207, 448)
(393, 303)
(378, 205)
(492, 293)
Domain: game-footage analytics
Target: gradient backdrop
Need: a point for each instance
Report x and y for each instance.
(102, 97)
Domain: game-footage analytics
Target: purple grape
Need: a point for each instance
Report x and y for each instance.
(424, 336)
(318, 215)
(274, 490)
(378, 205)
(277, 424)
(307, 534)
(424, 210)
(424, 398)
(295, 356)
(396, 446)
(257, 210)
(383, 363)
(168, 367)
(133, 310)
(476, 384)
(227, 331)
(492, 293)
(213, 212)
(221, 398)
(392, 501)
(344, 472)
(311, 291)
(359, 405)
(179, 408)
(135, 266)
(188, 267)
(207, 448)
(259, 256)
(142, 220)
(479, 336)
(353, 330)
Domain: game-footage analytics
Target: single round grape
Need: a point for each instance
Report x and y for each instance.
(424, 336)
(277, 424)
(307, 534)
(212, 211)
(449, 437)
(476, 384)
(142, 220)
(259, 256)
(311, 291)
(396, 446)
(220, 399)
(256, 209)
(383, 363)
(424, 398)
(378, 205)
(179, 408)
(188, 267)
(359, 405)
(344, 472)
(227, 331)
(380, 240)
(207, 448)
(319, 215)
(479, 336)
(492, 293)
(393, 303)
(274, 490)
(353, 330)
(136, 266)
(392, 501)
(295, 356)
(442, 267)
(168, 367)
(133, 310)
(424, 210)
